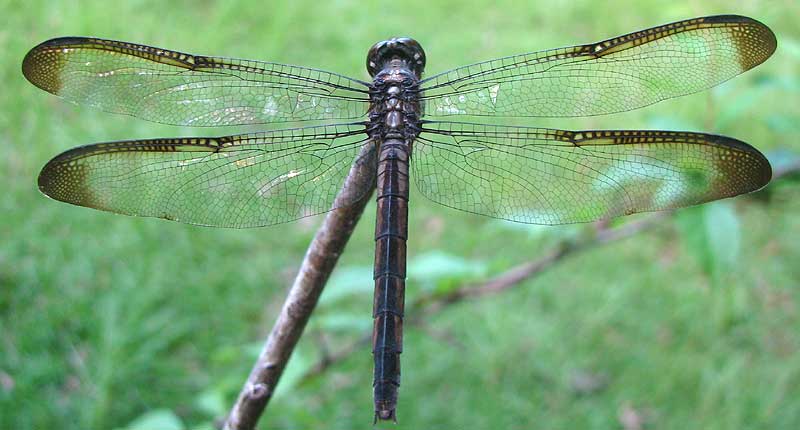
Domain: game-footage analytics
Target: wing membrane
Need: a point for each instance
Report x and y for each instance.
(545, 176)
(233, 181)
(615, 75)
(182, 89)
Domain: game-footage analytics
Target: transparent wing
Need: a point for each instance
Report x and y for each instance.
(615, 75)
(233, 181)
(182, 89)
(544, 176)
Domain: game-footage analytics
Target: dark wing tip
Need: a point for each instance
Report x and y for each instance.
(64, 179)
(755, 41)
(745, 167)
(43, 64)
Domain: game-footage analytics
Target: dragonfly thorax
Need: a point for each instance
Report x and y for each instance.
(395, 109)
(395, 66)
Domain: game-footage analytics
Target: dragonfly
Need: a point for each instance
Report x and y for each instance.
(517, 173)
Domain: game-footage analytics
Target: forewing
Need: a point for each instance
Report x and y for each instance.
(545, 176)
(615, 75)
(182, 89)
(233, 181)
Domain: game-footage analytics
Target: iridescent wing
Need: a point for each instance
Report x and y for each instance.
(544, 176)
(182, 89)
(615, 75)
(247, 180)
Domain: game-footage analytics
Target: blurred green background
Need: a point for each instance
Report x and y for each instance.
(111, 322)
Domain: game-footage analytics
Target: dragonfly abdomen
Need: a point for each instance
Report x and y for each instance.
(391, 232)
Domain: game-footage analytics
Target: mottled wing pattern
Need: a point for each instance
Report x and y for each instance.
(615, 75)
(545, 176)
(246, 180)
(182, 89)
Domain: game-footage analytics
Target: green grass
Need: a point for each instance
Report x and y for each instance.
(105, 318)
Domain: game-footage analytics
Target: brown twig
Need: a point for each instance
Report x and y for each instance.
(317, 266)
(335, 357)
(516, 275)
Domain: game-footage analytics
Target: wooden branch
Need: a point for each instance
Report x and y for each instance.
(319, 261)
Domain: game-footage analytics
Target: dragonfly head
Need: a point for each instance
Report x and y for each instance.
(404, 51)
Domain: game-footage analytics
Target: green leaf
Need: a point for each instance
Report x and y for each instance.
(346, 282)
(690, 222)
(782, 123)
(790, 46)
(724, 234)
(536, 232)
(212, 402)
(736, 105)
(712, 234)
(441, 271)
(782, 158)
(159, 419)
(436, 265)
(533, 230)
(660, 122)
(205, 426)
(298, 364)
(343, 322)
